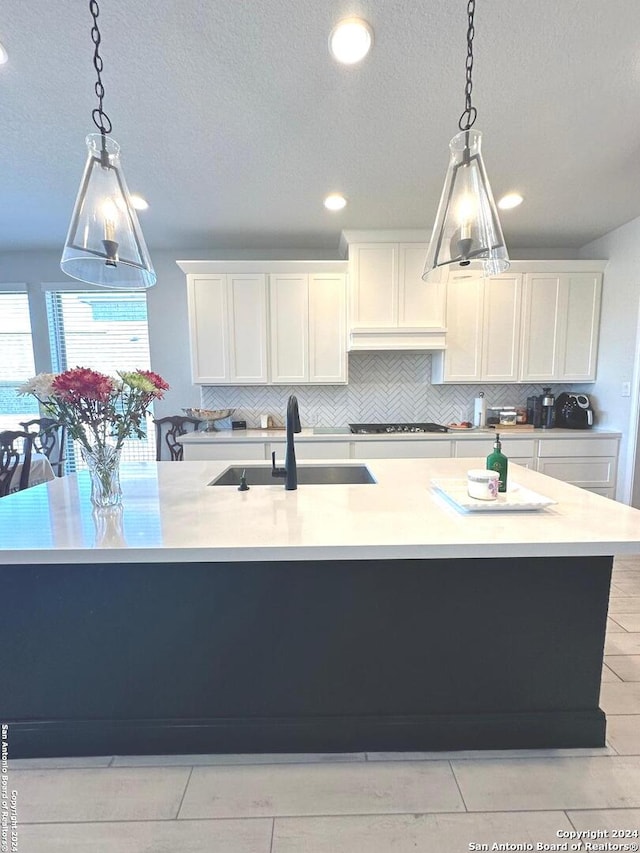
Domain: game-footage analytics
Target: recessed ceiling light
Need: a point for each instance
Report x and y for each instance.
(4, 56)
(350, 40)
(510, 200)
(335, 201)
(138, 202)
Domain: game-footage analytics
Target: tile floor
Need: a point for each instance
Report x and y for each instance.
(356, 803)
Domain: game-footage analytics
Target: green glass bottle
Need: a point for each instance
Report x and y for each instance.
(497, 461)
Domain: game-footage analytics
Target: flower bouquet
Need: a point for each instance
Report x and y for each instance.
(100, 412)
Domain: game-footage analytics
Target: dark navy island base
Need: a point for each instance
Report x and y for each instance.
(316, 656)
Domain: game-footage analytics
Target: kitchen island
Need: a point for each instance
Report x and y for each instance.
(331, 618)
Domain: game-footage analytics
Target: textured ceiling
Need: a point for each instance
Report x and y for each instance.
(235, 122)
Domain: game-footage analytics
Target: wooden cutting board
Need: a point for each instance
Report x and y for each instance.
(511, 427)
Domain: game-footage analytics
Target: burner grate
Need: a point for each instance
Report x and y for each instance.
(364, 429)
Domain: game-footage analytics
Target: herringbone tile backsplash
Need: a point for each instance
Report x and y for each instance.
(383, 387)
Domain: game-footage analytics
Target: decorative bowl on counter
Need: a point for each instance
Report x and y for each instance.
(209, 416)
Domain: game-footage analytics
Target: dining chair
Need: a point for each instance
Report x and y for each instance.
(167, 431)
(15, 448)
(49, 437)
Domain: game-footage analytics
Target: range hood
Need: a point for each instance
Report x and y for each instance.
(396, 338)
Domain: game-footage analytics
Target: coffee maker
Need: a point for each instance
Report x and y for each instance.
(573, 411)
(548, 409)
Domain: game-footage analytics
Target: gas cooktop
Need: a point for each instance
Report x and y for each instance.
(363, 429)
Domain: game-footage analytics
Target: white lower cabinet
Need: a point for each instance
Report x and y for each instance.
(586, 461)
(590, 463)
(239, 450)
(520, 451)
(317, 450)
(404, 449)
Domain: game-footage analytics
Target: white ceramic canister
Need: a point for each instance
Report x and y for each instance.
(483, 484)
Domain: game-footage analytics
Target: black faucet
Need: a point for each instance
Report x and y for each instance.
(290, 471)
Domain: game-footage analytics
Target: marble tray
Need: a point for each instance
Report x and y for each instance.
(516, 498)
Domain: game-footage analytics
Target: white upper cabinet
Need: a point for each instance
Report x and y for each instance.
(247, 332)
(483, 329)
(289, 307)
(327, 328)
(267, 322)
(374, 285)
(391, 307)
(308, 324)
(561, 320)
(501, 328)
(420, 303)
(228, 328)
(538, 322)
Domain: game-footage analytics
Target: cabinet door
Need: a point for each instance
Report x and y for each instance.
(327, 329)
(585, 472)
(579, 331)
(463, 356)
(421, 304)
(374, 284)
(560, 329)
(247, 316)
(501, 328)
(543, 303)
(209, 336)
(289, 302)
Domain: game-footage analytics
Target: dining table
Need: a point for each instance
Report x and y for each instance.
(40, 471)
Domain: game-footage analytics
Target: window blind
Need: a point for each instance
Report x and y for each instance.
(16, 360)
(106, 331)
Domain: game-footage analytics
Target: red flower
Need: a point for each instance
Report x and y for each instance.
(83, 383)
(156, 380)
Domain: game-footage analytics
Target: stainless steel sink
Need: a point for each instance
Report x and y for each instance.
(308, 475)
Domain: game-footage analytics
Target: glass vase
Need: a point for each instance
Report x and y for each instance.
(103, 462)
(109, 527)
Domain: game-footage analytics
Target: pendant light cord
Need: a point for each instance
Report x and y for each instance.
(468, 117)
(100, 118)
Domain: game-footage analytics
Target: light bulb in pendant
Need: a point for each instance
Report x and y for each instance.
(110, 213)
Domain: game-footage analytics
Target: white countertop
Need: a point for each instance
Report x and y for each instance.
(170, 514)
(342, 434)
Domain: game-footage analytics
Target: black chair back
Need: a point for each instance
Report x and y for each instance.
(167, 431)
(14, 445)
(49, 437)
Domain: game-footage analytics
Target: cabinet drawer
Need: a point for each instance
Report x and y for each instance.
(402, 449)
(239, 450)
(320, 449)
(524, 448)
(580, 472)
(525, 461)
(579, 447)
(605, 493)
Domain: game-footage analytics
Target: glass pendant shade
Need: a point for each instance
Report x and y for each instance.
(104, 244)
(467, 230)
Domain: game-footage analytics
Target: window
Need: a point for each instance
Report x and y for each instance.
(16, 359)
(106, 331)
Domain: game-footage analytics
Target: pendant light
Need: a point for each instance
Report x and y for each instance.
(104, 244)
(467, 230)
